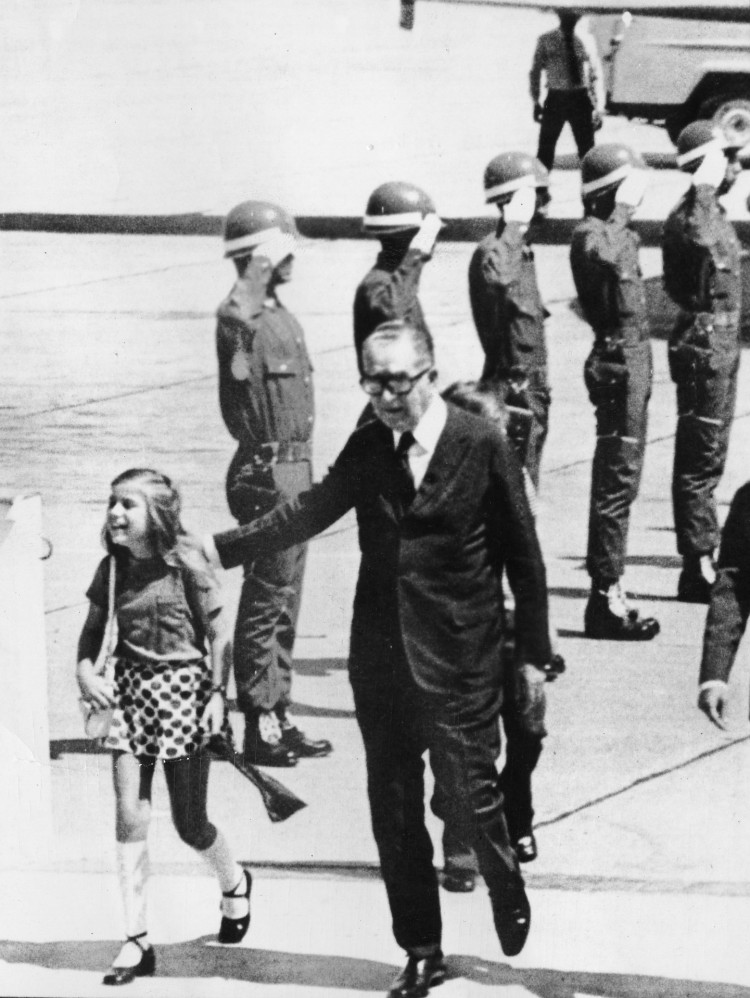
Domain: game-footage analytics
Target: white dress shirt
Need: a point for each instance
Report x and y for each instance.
(426, 436)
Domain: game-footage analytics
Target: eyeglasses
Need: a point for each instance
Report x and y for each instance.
(397, 384)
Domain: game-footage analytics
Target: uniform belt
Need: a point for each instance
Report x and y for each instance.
(279, 452)
(719, 320)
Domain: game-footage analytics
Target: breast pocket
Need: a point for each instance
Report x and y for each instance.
(280, 372)
(174, 626)
(282, 367)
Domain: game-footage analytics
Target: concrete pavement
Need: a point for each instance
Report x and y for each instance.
(643, 878)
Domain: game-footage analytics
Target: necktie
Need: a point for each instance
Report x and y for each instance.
(407, 489)
(574, 66)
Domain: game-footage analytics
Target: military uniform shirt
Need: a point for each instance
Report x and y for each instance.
(387, 293)
(608, 279)
(701, 255)
(265, 374)
(506, 304)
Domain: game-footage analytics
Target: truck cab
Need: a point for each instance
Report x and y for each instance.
(671, 71)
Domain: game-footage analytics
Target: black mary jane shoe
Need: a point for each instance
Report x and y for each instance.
(234, 930)
(145, 967)
(526, 848)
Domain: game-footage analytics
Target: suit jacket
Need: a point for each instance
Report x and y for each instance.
(730, 594)
(429, 583)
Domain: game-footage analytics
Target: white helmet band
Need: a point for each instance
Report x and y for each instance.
(700, 151)
(406, 219)
(232, 247)
(592, 186)
(509, 187)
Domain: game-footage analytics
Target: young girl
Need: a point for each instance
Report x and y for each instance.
(167, 700)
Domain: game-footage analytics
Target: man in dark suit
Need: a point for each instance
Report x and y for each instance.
(442, 510)
(728, 610)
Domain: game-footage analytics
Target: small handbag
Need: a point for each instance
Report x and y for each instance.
(97, 720)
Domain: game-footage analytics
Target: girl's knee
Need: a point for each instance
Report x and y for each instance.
(199, 835)
(132, 823)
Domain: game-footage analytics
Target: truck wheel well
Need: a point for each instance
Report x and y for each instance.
(714, 90)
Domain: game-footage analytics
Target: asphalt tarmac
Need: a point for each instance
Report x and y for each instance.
(642, 809)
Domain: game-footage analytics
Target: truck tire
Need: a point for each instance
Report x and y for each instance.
(731, 113)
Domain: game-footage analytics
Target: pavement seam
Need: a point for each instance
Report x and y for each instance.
(641, 781)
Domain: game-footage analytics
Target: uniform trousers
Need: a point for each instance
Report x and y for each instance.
(522, 752)
(538, 398)
(267, 614)
(705, 410)
(621, 424)
(399, 722)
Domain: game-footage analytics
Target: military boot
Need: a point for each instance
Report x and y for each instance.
(610, 617)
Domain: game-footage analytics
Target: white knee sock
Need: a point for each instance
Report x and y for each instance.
(132, 868)
(229, 874)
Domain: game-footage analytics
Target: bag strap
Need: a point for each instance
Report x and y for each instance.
(110, 630)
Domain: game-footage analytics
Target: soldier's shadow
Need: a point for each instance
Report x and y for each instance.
(200, 958)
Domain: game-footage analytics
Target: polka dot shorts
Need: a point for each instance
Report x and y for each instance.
(159, 708)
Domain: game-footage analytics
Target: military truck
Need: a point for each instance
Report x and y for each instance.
(671, 71)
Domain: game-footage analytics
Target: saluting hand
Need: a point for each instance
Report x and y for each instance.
(713, 169)
(426, 235)
(521, 206)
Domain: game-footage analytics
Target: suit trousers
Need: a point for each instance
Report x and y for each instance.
(705, 410)
(398, 723)
(267, 614)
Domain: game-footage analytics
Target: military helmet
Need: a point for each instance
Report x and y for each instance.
(396, 207)
(695, 140)
(509, 172)
(604, 168)
(252, 223)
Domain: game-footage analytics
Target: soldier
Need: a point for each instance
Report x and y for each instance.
(607, 275)
(702, 275)
(573, 91)
(404, 219)
(266, 398)
(505, 300)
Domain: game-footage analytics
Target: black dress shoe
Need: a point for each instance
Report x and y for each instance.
(512, 922)
(145, 967)
(693, 587)
(459, 881)
(419, 975)
(260, 753)
(600, 622)
(554, 668)
(233, 930)
(526, 851)
(298, 742)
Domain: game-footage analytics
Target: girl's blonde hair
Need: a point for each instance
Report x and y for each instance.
(163, 506)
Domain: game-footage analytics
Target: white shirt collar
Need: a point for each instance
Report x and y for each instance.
(431, 425)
